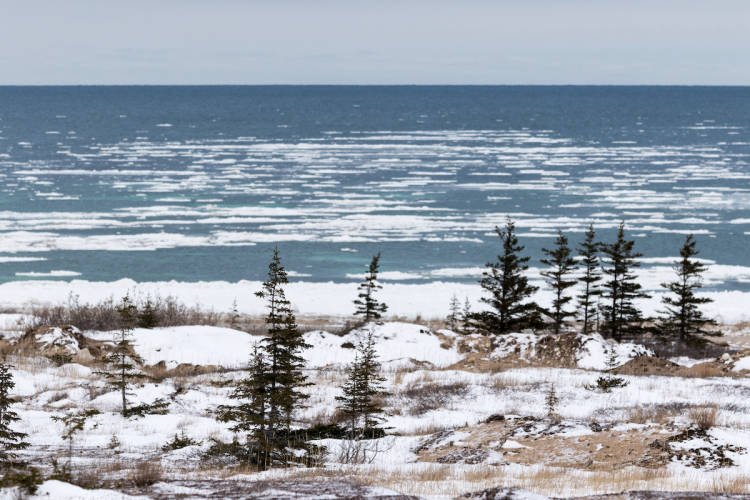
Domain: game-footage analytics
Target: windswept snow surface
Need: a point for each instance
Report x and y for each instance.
(198, 345)
(397, 344)
(58, 490)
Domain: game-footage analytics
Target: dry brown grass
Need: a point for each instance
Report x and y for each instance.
(657, 414)
(730, 485)
(704, 370)
(457, 480)
(704, 416)
(145, 473)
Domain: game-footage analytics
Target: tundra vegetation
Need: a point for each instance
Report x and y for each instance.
(562, 399)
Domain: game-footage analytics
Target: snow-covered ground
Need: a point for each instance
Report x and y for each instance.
(434, 403)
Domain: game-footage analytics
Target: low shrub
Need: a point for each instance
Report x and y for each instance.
(27, 479)
(158, 407)
(179, 442)
(145, 474)
(431, 396)
(152, 311)
(703, 416)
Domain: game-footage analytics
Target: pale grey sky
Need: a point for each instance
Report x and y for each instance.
(376, 41)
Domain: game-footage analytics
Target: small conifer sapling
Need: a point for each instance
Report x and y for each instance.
(368, 306)
(73, 423)
(454, 314)
(361, 400)
(122, 370)
(147, 316)
(551, 401)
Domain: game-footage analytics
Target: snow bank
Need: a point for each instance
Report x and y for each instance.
(198, 345)
(396, 344)
(589, 352)
(62, 338)
(742, 364)
(595, 352)
(66, 491)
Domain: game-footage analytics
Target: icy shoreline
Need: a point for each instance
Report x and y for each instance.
(428, 300)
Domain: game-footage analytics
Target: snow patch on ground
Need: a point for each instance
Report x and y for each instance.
(198, 345)
(396, 343)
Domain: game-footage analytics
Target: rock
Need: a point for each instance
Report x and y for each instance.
(83, 356)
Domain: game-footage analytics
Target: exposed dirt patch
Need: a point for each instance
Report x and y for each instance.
(529, 440)
(652, 365)
(648, 365)
(696, 448)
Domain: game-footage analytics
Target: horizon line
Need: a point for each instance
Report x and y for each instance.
(4, 85)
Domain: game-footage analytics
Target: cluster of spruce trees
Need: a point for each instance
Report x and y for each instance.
(273, 388)
(272, 391)
(605, 273)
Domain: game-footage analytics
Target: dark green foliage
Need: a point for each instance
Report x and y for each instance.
(73, 423)
(10, 441)
(621, 316)
(509, 290)
(249, 416)
(179, 442)
(466, 317)
(234, 315)
(272, 391)
(609, 381)
(157, 407)
(121, 361)
(561, 264)
(147, 316)
(249, 453)
(367, 305)
(27, 479)
(360, 403)
(587, 299)
(454, 314)
(683, 316)
(551, 401)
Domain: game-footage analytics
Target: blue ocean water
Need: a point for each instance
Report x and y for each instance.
(200, 183)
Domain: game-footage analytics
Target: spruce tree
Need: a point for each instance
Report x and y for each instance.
(606, 383)
(73, 423)
(454, 313)
(367, 305)
(362, 390)
(10, 441)
(249, 415)
(466, 317)
(509, 290)
(621, 316)
(234, 315)
(587, 299)
(551, 401)
(147, 317)
(122, 370)
(683, 316)
(561, 262)
(280, 371)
